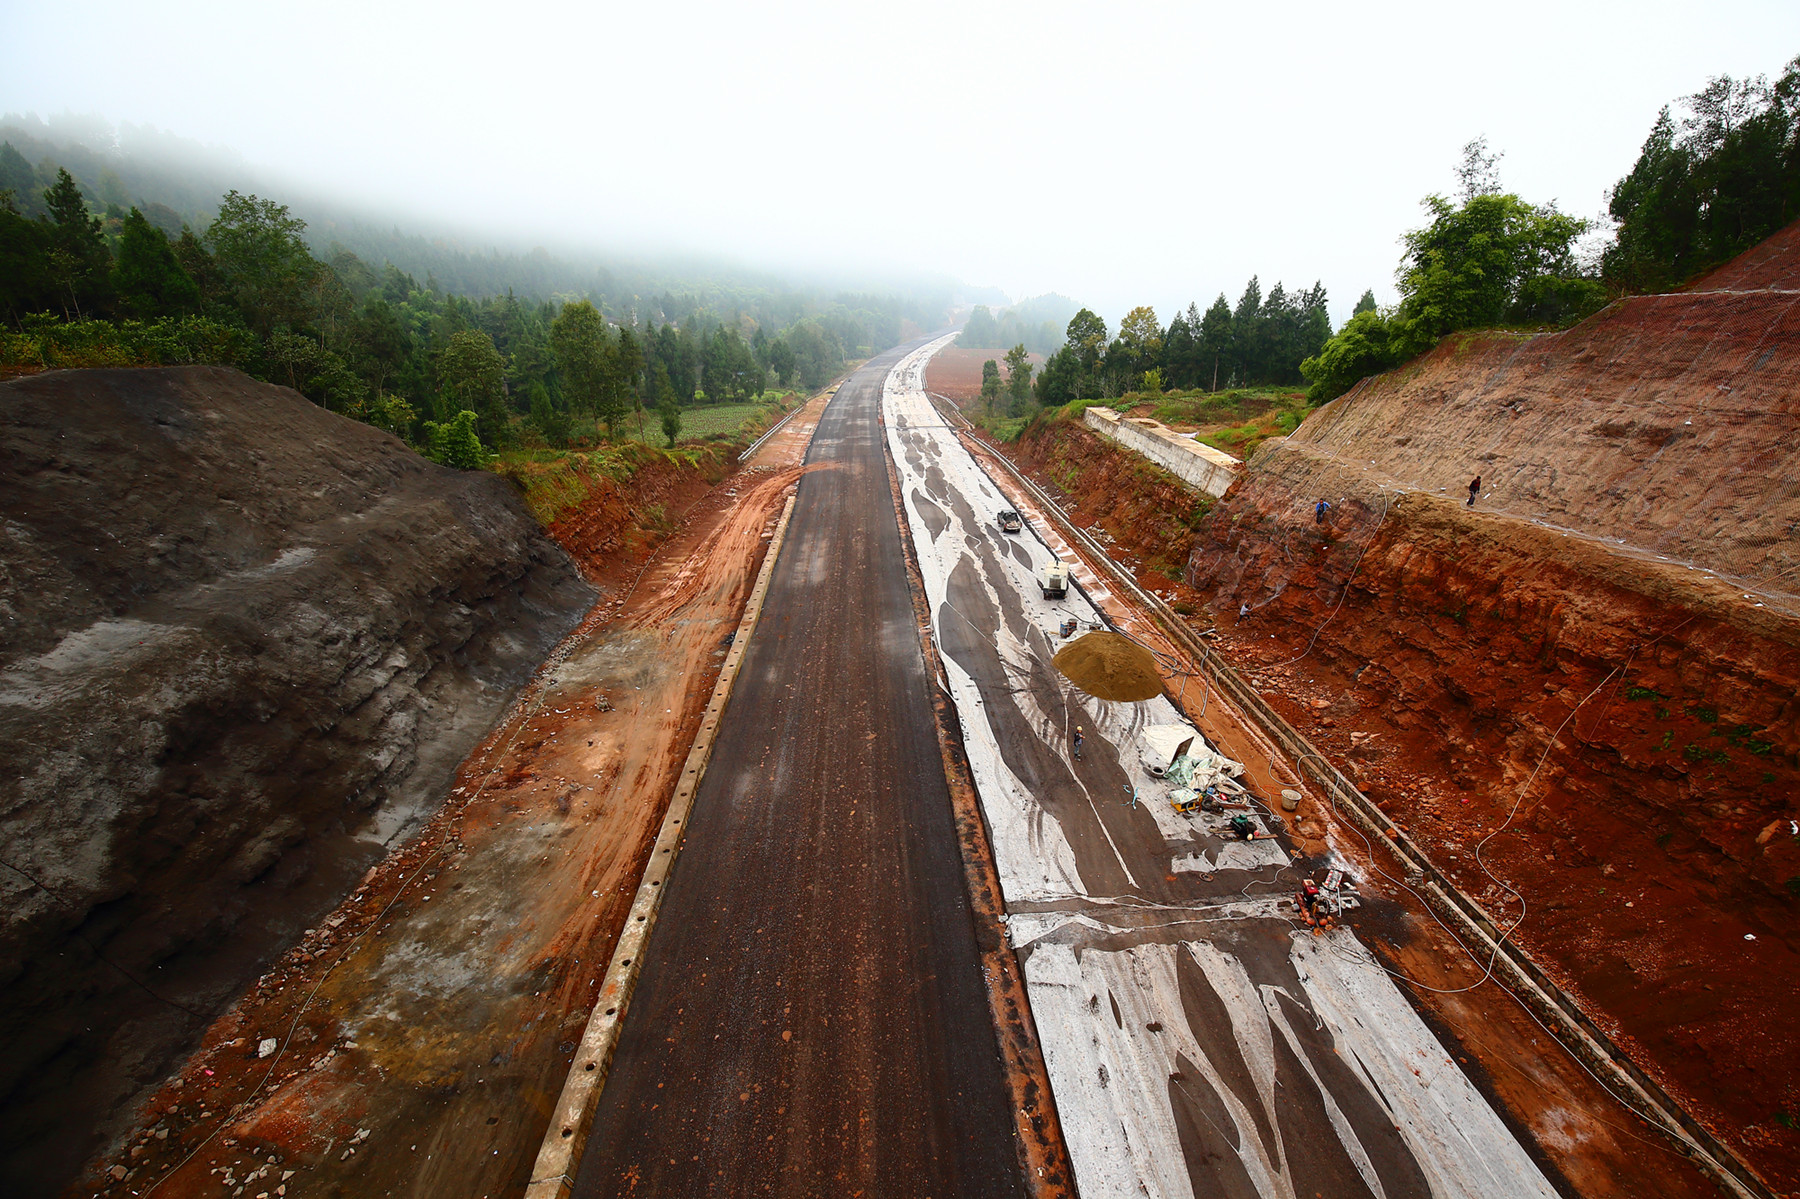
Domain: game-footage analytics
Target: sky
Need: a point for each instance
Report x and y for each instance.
(1122, 153)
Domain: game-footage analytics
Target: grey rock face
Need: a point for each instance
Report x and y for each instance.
(244, 644)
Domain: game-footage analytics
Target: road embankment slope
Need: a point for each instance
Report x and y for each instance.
(246, 642)
(1593, 667)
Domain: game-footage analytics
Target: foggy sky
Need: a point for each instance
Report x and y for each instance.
(1119, 153)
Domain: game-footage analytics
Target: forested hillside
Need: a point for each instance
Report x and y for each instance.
(106, 262)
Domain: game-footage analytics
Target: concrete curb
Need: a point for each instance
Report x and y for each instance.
(1528, 983)
(552, 1177)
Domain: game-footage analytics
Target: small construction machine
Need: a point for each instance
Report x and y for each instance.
(1053, 580)
(1323, 902)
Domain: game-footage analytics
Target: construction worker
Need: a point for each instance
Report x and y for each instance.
(1078, 743)
(1319, 512)
(1474, 490)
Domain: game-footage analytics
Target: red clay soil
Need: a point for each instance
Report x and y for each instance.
(956, 373)
(421, 1033)
(1120, 498)
(1596, 666)
(614, 529)
(1596, 1144)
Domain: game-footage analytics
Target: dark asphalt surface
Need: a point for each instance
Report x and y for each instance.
(811, 1020)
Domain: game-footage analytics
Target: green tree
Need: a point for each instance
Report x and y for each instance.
(583, 352)
(1470, 266)
(1366, 304)
(818, 353)
(781, 361)
(990, 383)
(454, 442)
(981, 332)
(1086, 336)
(380, 341)
(1141, 332)
(193, 259)
(79, 260)
(148, 280)
(1365, 346)
(1244, 351)
(1215, 341)
(262, 262)
(1709, 186)
(1492, 260)
(627, 376)
(309, 367)
(27, 283)
(551, 422)
(670, 413)
(1060, 379)
(472, 376)
(1018, 379)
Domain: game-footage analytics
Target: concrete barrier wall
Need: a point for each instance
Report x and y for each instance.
(1201, 467)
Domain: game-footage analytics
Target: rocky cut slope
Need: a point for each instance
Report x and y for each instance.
(1599, 658)
(243, 645)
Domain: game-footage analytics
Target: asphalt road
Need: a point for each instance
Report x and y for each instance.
(811, 1018)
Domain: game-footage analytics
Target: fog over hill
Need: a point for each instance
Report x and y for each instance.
(178, 181)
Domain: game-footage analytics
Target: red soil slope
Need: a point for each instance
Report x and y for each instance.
(1600, 658)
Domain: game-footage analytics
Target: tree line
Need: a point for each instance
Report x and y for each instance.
(375, 344)
(1705, 188)
(1260, 341)
(1710, 185)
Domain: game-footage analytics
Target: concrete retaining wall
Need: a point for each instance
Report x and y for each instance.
(1201, 467)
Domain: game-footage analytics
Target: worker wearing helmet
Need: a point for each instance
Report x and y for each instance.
(1078, 743)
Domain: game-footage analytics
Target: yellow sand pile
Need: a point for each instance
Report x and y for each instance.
(1108, 666)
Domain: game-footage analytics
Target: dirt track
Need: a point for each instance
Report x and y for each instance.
(811, 1018)
(438, 1007)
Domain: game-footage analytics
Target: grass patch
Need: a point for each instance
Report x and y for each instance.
(717, 422)
(1744, 736)
(554, 481)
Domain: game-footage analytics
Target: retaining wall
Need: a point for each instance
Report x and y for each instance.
(1201, 467)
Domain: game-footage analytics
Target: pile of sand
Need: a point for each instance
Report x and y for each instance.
(1108, 666)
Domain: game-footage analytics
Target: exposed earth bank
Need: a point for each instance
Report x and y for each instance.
(414, 1041)
(1596, 664)
(1120, 498)
(245, 644)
